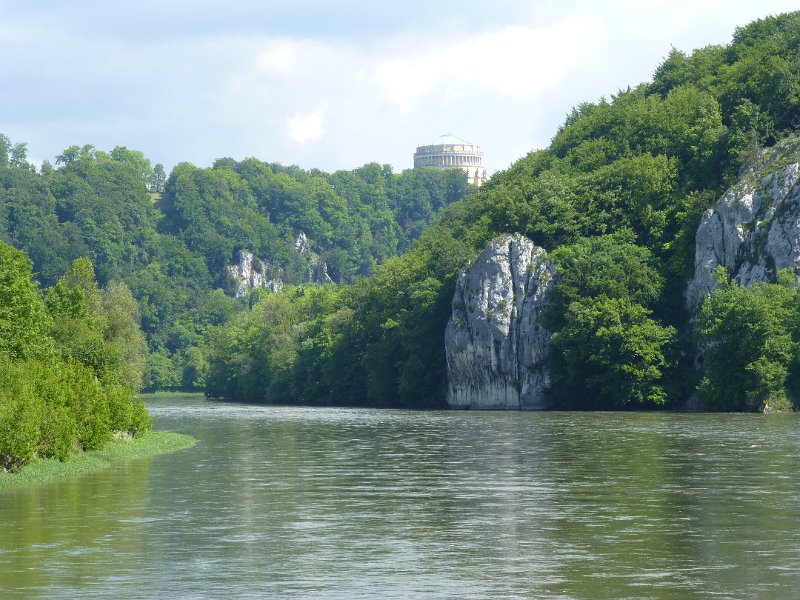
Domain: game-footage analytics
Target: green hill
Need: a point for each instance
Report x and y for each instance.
(624, 181)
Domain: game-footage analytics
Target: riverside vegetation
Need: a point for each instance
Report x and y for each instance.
(172, 247)
(69, 363)
(107, 288)
(615, 199)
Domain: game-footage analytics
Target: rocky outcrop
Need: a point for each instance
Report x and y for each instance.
(496, 348)
(250, 273)
(316, 270)
(301, 243)
(754, 231)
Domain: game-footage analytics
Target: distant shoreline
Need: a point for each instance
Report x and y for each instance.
(144, 396)
(151, 443)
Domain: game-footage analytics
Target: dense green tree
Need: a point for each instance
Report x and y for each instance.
(20, 414)
(74, 304)
(107, 206)
(61, 386)
(609, 354)
(32, 223)
(135, 160)
(5, 148)
(607, 350)
(158, 179)
(123, 334)
(24, 322)
(750, 346)
(612, 266)
(98, 328)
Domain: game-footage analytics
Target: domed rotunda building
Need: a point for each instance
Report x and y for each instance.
(451, 152)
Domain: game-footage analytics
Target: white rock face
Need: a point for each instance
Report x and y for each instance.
(496, 348)
(316, 269)
(753, 232)
(301, 243)
(250, 273)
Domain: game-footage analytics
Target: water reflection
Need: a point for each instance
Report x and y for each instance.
(286, 502)
(58, 534)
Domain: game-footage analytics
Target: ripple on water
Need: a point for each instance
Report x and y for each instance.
(347, 503)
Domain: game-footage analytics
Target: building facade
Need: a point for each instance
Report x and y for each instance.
(451, 152)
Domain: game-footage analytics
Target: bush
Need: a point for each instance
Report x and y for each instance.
(59, 433)
(88, 402)
(120, 409)
(750, 346)
(20, 414)
(58, 428)
(67, 378)
(140, 421)
(126, 415)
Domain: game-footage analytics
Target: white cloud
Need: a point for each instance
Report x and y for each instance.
(278, 56)
(287, 56)
(335, 87)
(305, 127)
(512, 60)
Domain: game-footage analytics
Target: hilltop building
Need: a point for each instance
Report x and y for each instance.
(451, 152)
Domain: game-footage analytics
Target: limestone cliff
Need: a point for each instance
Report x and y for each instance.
(496, 348)
(316, 271)
(251, 272)
(754, 231)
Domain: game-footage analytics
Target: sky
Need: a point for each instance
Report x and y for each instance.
(330, 84)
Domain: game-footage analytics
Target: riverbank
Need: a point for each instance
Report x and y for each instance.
(151, 443)
(145, 396)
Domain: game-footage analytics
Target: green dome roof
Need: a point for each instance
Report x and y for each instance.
(449, 139)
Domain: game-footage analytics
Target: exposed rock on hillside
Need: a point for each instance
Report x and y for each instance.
(754, 231)
(316, 270)
(252, 272)
(496, 348)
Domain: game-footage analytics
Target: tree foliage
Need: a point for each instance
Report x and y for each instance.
(607, 350)
(24, 322)
(67, 378)
(750, 339)
(171, 239)
(616, 198)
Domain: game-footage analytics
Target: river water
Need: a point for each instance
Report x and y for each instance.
(279, 502)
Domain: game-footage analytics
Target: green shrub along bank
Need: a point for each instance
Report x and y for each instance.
(47, 469)
(751, 343)
(69, 364)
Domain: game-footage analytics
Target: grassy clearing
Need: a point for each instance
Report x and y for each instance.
(150, 444)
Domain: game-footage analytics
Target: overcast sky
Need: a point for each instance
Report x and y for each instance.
(331, 84)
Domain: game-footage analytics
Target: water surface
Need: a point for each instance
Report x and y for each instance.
(339, 503)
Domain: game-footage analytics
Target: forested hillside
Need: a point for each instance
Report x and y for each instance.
(616, 198)
(170, 240)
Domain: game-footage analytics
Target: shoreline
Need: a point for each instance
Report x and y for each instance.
(151, 443)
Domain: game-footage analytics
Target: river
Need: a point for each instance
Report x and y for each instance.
(278, 502)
